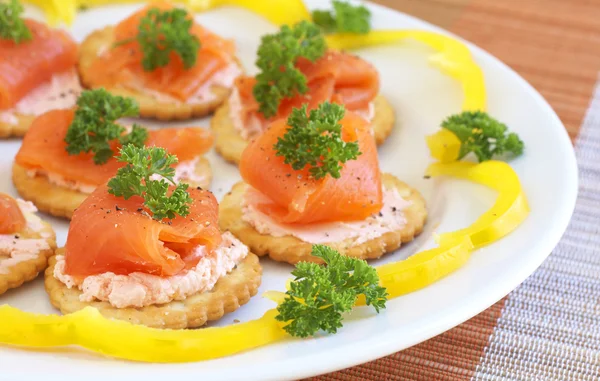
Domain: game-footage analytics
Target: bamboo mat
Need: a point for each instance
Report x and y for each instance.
(548, 328)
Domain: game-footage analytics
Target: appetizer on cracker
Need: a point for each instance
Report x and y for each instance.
(37, 70)
(307, 74)
(172, 66)
(315, 179)
(68, 153)
(143, 249)
(26, 242)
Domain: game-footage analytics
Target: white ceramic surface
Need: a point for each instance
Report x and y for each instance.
(422, 97)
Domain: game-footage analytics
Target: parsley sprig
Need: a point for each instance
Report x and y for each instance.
(161, 33)
(277, 56)
(483, 135)
(12, 26)
(316, 140)
(138, 178)
(345, 18)
(93, 128)
(320, 294)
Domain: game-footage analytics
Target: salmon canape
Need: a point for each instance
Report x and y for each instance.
(144, 250)
(309, 75)
(316, 180)
(67, 154)
(173, 67)
(26, 242)
(37, 70)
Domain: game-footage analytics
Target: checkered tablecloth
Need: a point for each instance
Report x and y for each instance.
(549, 327)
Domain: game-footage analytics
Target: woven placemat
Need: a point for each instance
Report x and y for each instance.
(548, 328)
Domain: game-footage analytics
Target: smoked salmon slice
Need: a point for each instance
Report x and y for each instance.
(11, 217)
(111, 234)
(25, 66)
(336, 77)
(122, 64)
(298, 198)
(44, 145)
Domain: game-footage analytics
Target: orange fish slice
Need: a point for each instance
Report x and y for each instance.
(43, 148)
(25, 66)
(336, 77)
(109, 233)
(11, 217)
(298, 198)
(123, 64)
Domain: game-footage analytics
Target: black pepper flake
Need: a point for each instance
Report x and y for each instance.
(169, 223)
(394, 208)
(426, 177)
(380, 214)
(62, 95)
(140, 210)
(108, 211)
(288, 175)
(117, 208)
(198, 188)
(16, 236)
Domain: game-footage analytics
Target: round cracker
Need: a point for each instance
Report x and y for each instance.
(293, 250)
(230, 144)
(230, 292)
(28, 270)
(8, 130)
(150, 107)
(62, 202)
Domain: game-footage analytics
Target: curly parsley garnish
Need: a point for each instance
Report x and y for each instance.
(94, 129)
(277, 56)
(320, 294)
(483, 135)
(137, 178)
(12, 26)
(345, 18)
(316, 140)
(161, 33)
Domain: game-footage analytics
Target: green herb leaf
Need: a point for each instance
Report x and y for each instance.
(345, 18)
(93, 128)
(12, 26)
(161, 33)
(139, 178)
(316, 140)
(277, 56)
(483, 135)
(320, 294)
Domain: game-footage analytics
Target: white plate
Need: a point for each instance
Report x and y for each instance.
(422, 97)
